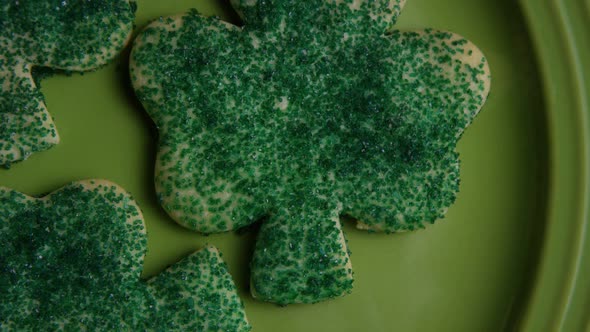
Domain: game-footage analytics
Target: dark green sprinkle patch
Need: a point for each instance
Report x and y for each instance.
(312, 110)
(71, 35)
(71, 261)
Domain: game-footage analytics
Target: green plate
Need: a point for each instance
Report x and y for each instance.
(512, 253)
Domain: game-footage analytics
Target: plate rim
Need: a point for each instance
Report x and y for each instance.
(560, 294)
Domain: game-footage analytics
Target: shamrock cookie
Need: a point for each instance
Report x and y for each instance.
(72, 261)
(75, 35)
(310, 111)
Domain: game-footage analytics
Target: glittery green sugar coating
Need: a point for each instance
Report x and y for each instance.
(310, 111)
(72, 35)
(71, 261)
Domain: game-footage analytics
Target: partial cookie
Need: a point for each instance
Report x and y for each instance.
(310, 111)
(74, 35)
(198, 294)
(72, 261)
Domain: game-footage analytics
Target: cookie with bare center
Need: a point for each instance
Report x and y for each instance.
(309, 111)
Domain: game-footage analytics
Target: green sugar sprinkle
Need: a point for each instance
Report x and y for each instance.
(310, 111)
(72, 261)
(76, 35)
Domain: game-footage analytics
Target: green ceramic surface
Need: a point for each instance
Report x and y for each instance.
(511, 253)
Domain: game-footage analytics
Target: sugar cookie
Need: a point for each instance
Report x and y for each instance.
(72, 261)
(310, 111)
(73, 35)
